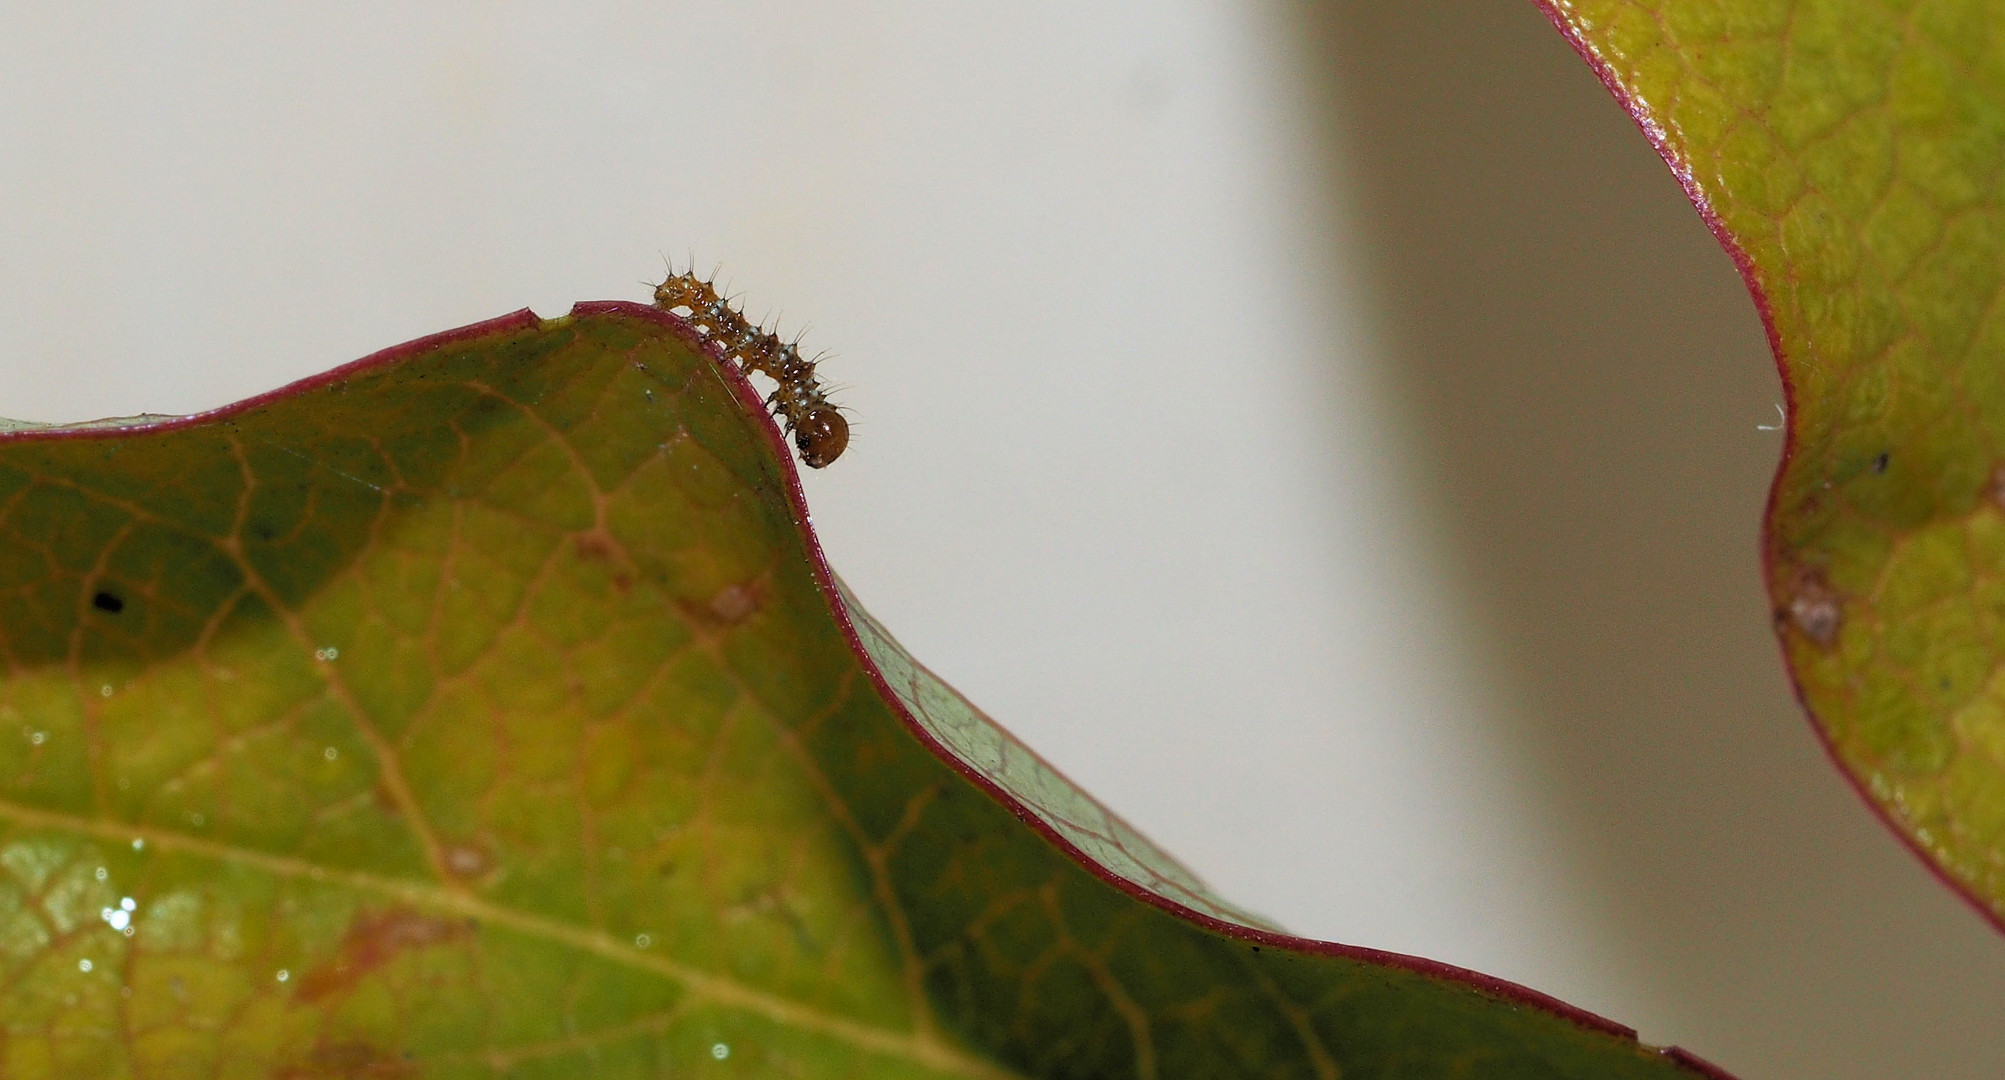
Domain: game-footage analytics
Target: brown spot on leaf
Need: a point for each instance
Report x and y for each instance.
(385, 799)
(599, 546)
(595, 545)
(1811, 606)
(1994, 489)
(352, 1060)
(374, 940)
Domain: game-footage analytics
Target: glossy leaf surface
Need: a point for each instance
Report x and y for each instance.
(1851, 154)
(482, 710)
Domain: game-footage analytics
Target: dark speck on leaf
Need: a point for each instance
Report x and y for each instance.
(105, 601)
(1880, 463)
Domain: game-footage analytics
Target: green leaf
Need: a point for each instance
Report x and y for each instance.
(483, 709)
(1849, 153)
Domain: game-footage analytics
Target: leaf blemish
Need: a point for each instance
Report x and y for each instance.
(726, 607)
(734, 603)
(372, 942)
(1880, 462)
(353, 1058)
(108, 602)
(1812, 607)
(1995, 488)
(467, 861)
(597, 546)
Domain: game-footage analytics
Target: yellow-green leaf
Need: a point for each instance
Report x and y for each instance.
(1851, 155)
(483, 709)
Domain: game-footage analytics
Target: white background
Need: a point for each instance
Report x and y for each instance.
(1323, 431)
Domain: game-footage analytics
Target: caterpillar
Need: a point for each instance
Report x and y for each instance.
(819, 431)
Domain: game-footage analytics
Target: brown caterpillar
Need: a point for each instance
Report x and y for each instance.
(820, 433)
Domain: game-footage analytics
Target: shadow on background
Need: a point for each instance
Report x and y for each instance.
(1581, 373)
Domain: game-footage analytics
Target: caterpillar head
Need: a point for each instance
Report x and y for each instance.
(820, 436)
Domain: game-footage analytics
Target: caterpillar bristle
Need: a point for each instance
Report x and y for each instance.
(817, 426)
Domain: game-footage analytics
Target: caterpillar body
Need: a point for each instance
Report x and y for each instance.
(818, 429)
